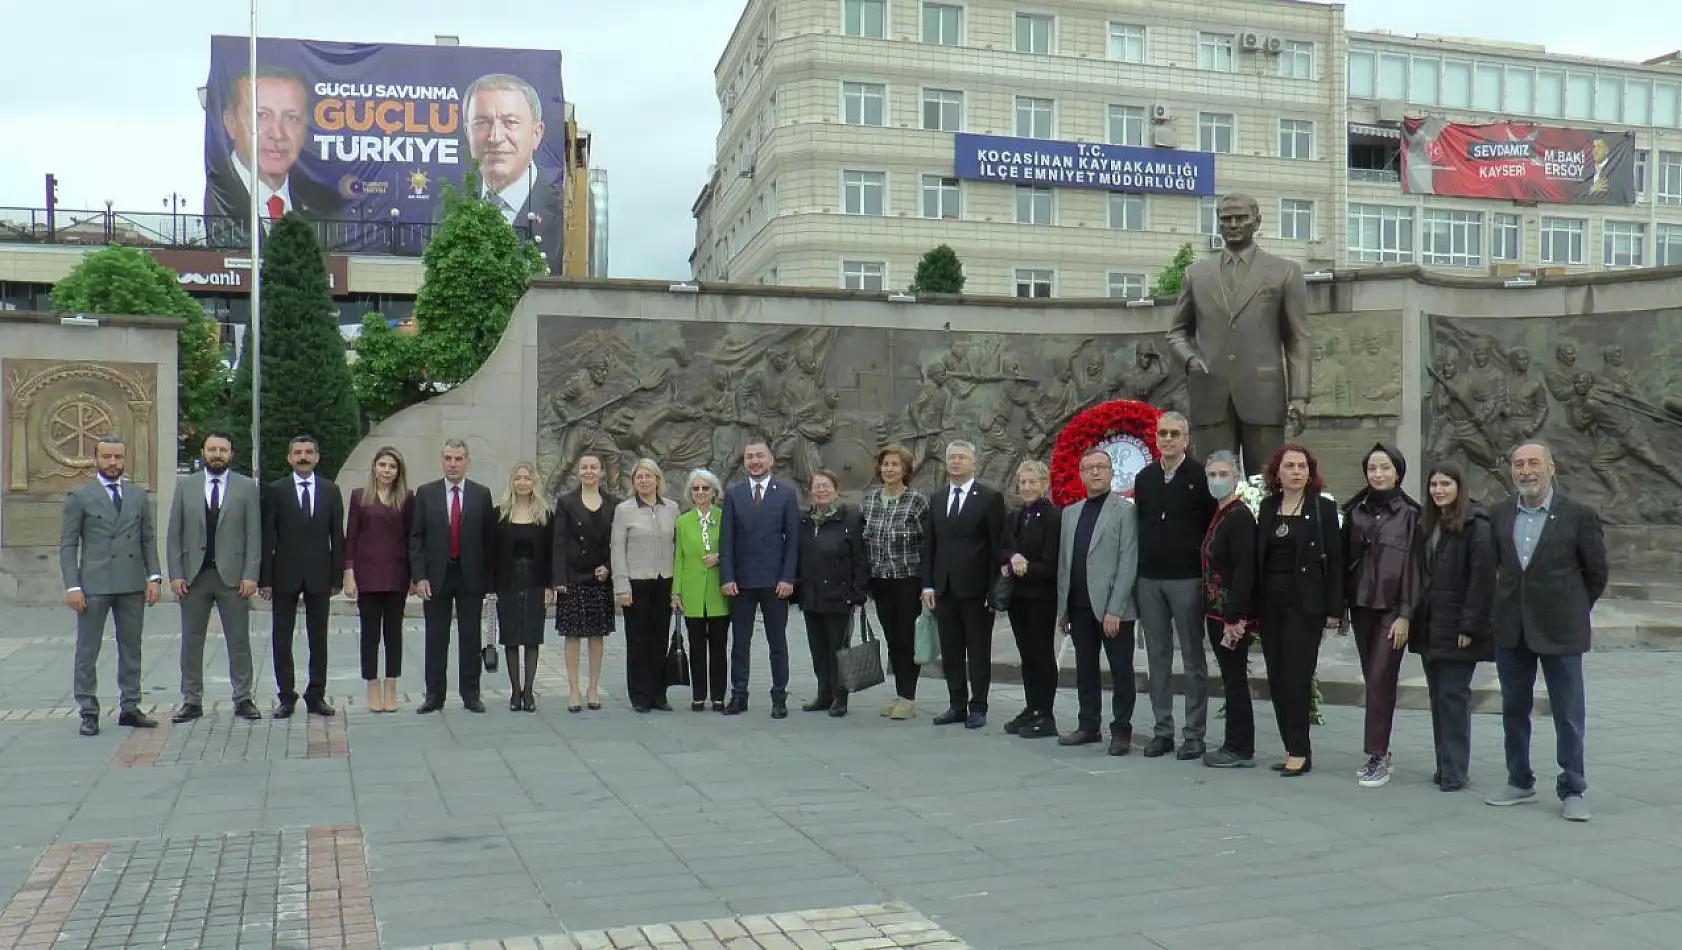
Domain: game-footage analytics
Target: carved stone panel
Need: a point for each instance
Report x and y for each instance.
(1356, 392)
(1604, 391)
(691, 395)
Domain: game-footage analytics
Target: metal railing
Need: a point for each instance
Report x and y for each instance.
(1374, 174)
(67, 226)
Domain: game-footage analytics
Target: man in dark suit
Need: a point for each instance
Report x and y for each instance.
(504, 122)
(214, 548)
(1550, 562)
(761, 521)
(303, 557)
(108, 556)
(282, 128)
(1237, 314)
(960, 560)
(449, 561)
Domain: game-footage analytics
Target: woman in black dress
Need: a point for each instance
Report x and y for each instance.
(1299, 592)
(583, 580)
(520, 547)
(832, 581)
(1031, 543)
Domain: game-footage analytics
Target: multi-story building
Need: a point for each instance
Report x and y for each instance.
(598, 222)
(1470, 81)
(842, 154)
(842, 157)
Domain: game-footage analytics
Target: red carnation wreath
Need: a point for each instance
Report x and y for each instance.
(1124, 428)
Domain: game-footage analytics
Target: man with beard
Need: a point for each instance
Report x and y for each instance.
(214, 548)
(303, 558)
(108, 556)
(757, 552)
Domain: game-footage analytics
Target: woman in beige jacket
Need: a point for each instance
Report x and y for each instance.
(642, 549)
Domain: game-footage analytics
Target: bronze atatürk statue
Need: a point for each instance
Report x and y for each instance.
(1240, 329)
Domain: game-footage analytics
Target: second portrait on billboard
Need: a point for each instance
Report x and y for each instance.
(363, 136)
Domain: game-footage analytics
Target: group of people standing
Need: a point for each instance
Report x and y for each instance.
(1451, 580)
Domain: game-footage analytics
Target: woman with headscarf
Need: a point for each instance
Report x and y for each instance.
(1381, 555)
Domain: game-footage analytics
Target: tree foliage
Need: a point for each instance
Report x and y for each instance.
(129, 281)
(306, 380)
(1171, 277)
(939, 272)
(477, 267)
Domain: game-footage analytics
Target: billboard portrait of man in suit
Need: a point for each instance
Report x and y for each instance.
(504, 120)
(1240, 330)
(283, 119)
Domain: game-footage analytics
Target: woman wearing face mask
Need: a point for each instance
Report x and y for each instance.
(1299, 593)
(1381, 554)
(1229, 576)
(1451, 628)
(830, 582)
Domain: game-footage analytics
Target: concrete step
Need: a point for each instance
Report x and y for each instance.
(1656, 586)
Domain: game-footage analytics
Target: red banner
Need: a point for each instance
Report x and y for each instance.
(1511, 160)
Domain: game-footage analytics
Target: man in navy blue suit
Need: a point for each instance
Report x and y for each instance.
(756, 565)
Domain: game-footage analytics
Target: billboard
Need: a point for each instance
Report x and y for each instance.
(1512, 160)
(1052, 163)
(365, 134)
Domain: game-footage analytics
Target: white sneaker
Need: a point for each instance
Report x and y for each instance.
(1376, 773)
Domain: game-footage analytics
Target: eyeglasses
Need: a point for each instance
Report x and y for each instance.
(1169, 433)
(700, 489)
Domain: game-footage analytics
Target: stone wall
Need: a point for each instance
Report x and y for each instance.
(65, 385)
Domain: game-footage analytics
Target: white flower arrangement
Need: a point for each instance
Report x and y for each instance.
(1251, 491)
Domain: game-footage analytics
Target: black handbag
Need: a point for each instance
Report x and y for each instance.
(488, 654)
(999, 597)
(861, 666)
(677, 659)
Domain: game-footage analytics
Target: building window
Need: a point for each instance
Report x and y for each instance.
(1626, 243)
(1381, 234)
(1033, 205)
(941, 197)
(1033, 33)
(1670, 178)
(1033, 117)
(1550, 93)
(1127, 212)
(1452, 238)
(1296, 219)
(1361, 67)
(865, 18)
(1296, 139)
(1608, 99)
(1126, 126)
(1579, 95)
(1214, 132)
(864, 275)
(1519, 95)
(1641, 160)
(1506, 238)
(1392, 76)
(1296, 60)
(864, 192)
(1127, 43)
(1423, 86)
(1034, 282)
(1486, 87)
(943, 110)
(1638, 103)
(1562, 240)
(864, 103)
(1208, 222)
(943, 24)
(1214, 51)
(1457, 84)
(1667, 245)
(1127, 286)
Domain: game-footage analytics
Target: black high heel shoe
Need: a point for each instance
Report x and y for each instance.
(528, 702)
(514, 703)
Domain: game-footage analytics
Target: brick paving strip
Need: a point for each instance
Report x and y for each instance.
(892, 926)
(327, 738)
(36, 913)
(141, 747)
(341, 902)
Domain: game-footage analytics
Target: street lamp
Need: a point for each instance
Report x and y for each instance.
(174, 203)
(254, 352)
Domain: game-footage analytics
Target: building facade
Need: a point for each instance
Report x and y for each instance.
(839, 159)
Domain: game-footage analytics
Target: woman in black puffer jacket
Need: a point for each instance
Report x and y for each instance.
(1451, 627)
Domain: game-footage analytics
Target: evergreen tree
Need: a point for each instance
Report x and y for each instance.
(306, 378)
(939, 272)
(1169, 280)
(124, 280)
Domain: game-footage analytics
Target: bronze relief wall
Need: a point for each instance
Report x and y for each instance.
(691, 395)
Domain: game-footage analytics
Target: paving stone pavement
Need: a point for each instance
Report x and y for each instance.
(683, 830)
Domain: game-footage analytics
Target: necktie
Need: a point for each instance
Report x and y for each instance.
(304, 499)
(758, 493)
(455, 522)
(1229, 273)
(116, 496)
(957, 499)
(215, 493)
(277, 207)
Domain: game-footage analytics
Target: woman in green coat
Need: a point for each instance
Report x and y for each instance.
(698, 594)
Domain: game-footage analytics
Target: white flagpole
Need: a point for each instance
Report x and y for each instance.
(254, 350)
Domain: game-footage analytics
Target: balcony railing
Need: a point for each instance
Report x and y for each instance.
(1377, 175)
(199, 232)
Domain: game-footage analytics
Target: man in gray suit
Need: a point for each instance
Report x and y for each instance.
(214, 549)
(1096, 569)
(108, 555)
(1240, 331)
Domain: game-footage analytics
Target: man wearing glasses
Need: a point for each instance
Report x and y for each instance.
(1175, 508)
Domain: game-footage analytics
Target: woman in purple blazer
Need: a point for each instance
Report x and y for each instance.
(377, 571)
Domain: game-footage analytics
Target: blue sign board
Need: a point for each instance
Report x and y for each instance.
(1048, 162)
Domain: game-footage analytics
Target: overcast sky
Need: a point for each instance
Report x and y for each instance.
(101, 92)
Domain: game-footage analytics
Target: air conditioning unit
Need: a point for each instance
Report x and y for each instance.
(1274, 44)
(1216, 242)
(1390, 110)
(1249, 40)
(1162, 112)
